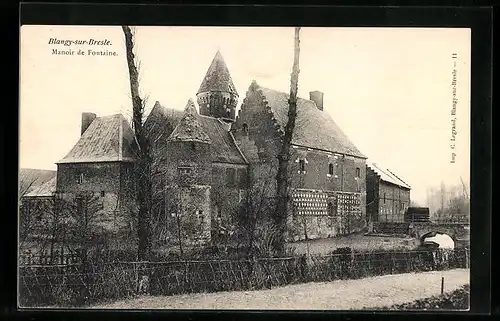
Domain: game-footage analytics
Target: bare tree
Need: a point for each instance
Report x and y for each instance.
(280, 215)
(143, 166)
(254, 230)
(82, 221)
(442, 195)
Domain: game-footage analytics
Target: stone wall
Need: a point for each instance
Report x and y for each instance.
(110, 187)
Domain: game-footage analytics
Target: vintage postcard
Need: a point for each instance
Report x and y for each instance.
(249, 168)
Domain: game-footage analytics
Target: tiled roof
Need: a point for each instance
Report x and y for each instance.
(210, 130)
(189, 127)
(107, 139)
(44, 190)
(387, 176)
(217, 77)
(161, 121)
(313, 128)
(224, 148)
(30, 178)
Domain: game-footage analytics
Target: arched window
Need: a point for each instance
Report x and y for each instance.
(245, 129)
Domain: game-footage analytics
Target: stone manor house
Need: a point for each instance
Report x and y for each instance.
(207, 160)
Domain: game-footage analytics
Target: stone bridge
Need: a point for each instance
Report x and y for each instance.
(455, 230)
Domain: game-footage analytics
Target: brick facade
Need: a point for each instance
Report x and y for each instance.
(318, 178)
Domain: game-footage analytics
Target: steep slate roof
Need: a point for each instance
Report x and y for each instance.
(44, 190)
(387, 176)
(313, 128)
(196, 127)
(161, 121)
(217, 77)
(189, 128)
(224, 146)
(107, 139)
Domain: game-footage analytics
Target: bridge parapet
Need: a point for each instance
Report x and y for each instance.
(455, 230)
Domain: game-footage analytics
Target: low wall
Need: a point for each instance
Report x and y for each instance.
(455, 230)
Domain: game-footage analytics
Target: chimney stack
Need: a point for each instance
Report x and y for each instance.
(87, 119)
(317, 97)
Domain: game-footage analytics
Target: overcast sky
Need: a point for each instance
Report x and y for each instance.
(390, 90)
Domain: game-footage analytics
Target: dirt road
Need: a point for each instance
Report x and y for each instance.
(337, 295)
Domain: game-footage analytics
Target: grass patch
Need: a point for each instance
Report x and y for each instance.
(456, 300)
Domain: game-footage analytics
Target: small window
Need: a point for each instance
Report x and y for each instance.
(330, 169)
(193, 146)
(302, 165)
(80, 178)
(358, 172)
(245, 129)
(384, 198)
(231, 176)
(103, 193)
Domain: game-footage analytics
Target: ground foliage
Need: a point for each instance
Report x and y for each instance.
(455, 300)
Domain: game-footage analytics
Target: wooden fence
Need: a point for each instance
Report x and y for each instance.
(77, 285)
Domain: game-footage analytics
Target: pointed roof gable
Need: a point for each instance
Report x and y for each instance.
(387, 176)
(189, 127)
(107, 139)
(217, 77)
(161, 121)
(313, 128)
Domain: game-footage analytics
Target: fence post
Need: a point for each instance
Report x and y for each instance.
(466, 258)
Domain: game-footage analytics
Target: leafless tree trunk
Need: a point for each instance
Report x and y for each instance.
(284, 155)
(143, 171)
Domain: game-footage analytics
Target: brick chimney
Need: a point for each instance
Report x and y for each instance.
(87, 119)
(317, 97)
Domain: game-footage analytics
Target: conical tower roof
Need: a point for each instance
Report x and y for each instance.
(189, 128)
(217, 77)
